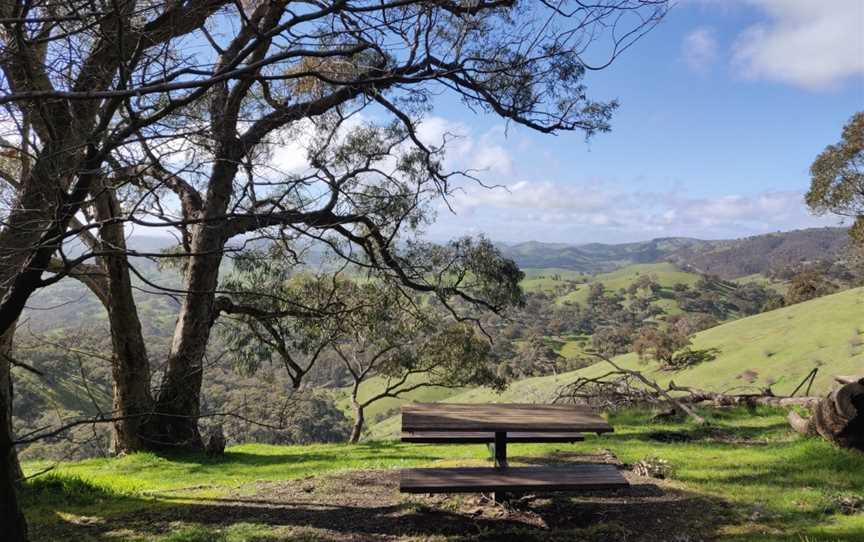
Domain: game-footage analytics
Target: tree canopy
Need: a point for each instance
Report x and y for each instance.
(837, 178)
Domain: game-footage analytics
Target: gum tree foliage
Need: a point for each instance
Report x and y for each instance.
(290, 326)
(837, 178)
(407, 342)
(661, 344)
(168, 115)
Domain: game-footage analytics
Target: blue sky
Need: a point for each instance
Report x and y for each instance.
(723, 108)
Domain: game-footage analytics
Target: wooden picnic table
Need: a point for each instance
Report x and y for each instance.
(459, 422)
(500, 419)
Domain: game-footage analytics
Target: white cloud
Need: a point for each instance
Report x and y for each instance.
(808, 43)
(594, 212)
(538, 196)
(699, 49)
(465, 150)
(493, 159)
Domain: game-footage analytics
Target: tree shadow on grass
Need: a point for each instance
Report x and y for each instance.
(716, 434)
(358, 453)
(366, 505)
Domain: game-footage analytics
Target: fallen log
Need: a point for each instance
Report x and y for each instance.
(765, 398)
(623, 388)
(838, 417)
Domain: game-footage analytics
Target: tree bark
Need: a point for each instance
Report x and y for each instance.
(132, 403)
(359, 419)
(766, 398)
(6, 350)
(179, 404)
(20, 246)
(838, 418)
(11, 515)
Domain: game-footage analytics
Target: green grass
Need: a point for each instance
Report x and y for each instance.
(779, 287)
(145, 473)
(547, 279)
(666, 274)
(781, 347)
(769, 483)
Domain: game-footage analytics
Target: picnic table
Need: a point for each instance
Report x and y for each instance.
(496, 424)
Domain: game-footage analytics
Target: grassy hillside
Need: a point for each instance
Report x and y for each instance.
(730, 258)
(548, 279)
(778, 348)
(388, 406)
(666, 274)
(778, 286)
(747, 478)
(597, 257)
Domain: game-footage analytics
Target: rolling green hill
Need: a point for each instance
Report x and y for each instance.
(730, 258)
(549, 279)
(777, 348)
(596, 257)
(666, 274)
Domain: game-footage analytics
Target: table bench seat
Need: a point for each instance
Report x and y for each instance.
(583, 476)
(483, 437)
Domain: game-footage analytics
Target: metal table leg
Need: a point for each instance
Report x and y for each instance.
(499, 449)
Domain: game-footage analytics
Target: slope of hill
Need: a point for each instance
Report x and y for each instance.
(595, 257)
(727, 258)
(777, 348)
(550, 279)
(761, 253)
(666, 274)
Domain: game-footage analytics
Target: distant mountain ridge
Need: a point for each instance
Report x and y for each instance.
(728, 258)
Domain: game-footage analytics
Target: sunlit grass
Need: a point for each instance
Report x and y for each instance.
(777, 484)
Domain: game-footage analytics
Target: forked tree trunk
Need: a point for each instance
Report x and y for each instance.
(178, 405)
(839, 417)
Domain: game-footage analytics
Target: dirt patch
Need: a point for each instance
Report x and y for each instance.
(367, 506)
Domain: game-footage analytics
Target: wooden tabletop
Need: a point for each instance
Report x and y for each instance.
(500, 417)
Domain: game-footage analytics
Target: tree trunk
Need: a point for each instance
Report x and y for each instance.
(130, 365)
(359, 418)
(6, 350)
(11, 516)
(838, 418)
(22, 261)
(179, 404)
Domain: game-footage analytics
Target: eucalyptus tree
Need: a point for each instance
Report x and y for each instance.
(356, 98)
(355, 80)
(179, 106)
(386, 338)
(71, 76)
(281, 317)
(837, 178)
